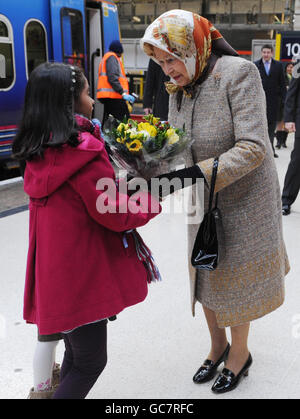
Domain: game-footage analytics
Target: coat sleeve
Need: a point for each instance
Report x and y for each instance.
(108, 206)
(282, 83)
(246, 99)
(290, 106)
(113, 74)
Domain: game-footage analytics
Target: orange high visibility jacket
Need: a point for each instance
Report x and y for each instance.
(105, 89)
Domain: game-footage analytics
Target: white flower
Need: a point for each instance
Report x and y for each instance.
(145, 133)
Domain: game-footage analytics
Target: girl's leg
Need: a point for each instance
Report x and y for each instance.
(239, 351)
(43, 363)
(68, 358)
(89, 356)
(218, 336)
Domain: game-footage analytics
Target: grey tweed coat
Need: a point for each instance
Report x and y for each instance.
(227, 118)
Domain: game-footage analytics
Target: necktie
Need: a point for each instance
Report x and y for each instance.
(267, 67)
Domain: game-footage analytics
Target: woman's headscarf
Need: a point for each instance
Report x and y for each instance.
(188, 37)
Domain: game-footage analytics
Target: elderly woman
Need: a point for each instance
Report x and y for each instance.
(220, 99)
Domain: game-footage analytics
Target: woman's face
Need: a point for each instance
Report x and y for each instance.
(85, 104)
(289, 68)
(172, 67)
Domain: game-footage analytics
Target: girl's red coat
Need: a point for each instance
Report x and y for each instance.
(78, 269)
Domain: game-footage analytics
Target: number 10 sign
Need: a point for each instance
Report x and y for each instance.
(287, 45)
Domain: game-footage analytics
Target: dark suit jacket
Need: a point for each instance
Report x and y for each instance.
(155, 95)
(274, 86)
(292, 103)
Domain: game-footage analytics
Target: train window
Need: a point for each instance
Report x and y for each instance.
(3, 30)
(7, 71)
(36, 45)
(73, 41)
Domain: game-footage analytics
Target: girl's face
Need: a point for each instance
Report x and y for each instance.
(172, 67)
(85, 105)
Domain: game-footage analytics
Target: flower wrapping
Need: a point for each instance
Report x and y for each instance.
(146, 148)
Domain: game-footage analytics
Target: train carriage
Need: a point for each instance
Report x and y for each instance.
(34, 31)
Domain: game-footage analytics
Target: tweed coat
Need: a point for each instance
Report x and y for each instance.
(227, 118)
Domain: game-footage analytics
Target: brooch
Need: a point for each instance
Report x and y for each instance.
(217, 77)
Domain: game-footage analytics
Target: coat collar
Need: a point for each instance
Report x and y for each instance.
(86, 125)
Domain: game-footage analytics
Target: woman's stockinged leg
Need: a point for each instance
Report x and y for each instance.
(218, 336)
(239, 351)
(89, 357)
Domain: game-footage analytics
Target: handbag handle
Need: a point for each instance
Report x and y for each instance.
(213, 184)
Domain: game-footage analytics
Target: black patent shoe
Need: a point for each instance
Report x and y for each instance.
(286, 209)
(228, 381)
(208, 370)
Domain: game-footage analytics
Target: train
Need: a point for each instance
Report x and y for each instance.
(76, 32)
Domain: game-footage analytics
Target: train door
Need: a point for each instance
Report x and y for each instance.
(102, 29)
(68, 32)
(110, 22)
(95, 51)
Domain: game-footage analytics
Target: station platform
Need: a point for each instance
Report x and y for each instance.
(155, 348)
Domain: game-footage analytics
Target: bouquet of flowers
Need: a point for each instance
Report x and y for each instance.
(142, 149)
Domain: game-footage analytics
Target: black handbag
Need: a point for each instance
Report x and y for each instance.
(206, 252)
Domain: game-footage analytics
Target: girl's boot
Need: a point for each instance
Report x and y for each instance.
(39, 395)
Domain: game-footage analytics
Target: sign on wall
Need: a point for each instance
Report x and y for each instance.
(287, 45)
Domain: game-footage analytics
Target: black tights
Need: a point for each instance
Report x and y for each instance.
(84, 360)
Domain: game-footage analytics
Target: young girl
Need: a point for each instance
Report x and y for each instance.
(82, 265)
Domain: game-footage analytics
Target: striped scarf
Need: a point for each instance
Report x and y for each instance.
(144, 254)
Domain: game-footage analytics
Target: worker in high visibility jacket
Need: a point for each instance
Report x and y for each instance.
(113, 87)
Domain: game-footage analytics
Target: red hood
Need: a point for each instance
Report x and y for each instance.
(46, 175)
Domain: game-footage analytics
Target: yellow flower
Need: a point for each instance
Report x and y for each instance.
(121, 140)
(145, 126)
(140, 136)
(120, 127)
(134, 146)
(173, 138)
(170, 132)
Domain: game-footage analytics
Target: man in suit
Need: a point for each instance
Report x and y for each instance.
(272, 76)
(292, 123)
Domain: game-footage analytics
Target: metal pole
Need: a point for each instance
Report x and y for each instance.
(259, 19)
(297, 16)
(230, 14)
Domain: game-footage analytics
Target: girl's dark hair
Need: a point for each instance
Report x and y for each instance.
(48, 116)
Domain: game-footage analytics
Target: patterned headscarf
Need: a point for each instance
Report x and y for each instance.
(189, 38)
